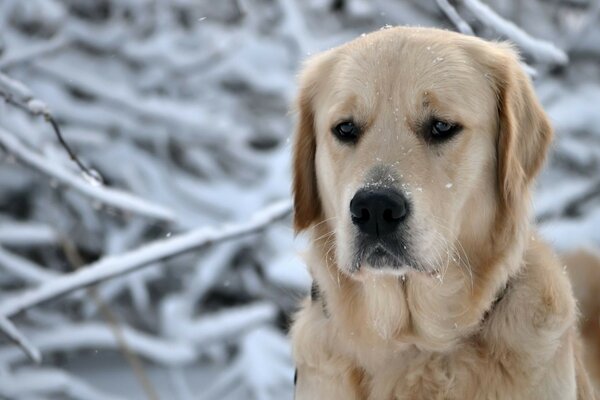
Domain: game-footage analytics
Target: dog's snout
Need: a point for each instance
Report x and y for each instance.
(378, 212)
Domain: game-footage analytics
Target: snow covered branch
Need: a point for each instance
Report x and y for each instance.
(540, 50)
(105, 195)
(17, 338)
(219, 326)
(20, 234)
(23, 268)
(94, 335)
(16, 93)
(112, 266)
(455, 17)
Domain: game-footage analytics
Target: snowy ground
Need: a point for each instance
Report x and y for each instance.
(182, 107)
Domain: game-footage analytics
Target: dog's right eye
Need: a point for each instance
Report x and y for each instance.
(346, 131)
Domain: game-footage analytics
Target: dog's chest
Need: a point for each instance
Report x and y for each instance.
(412, 375)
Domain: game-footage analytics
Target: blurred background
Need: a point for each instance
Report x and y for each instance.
(178, 225)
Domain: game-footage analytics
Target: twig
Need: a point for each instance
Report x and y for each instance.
(75, 259)
(17, 338)
(111, 266)
(17, 94)
(541, 50)
(453, 16)
(112, 197)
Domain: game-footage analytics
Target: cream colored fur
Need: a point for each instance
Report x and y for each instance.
(437, 333)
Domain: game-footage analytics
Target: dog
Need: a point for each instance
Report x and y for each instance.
(414, 156)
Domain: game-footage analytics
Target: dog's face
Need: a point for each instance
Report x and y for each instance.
(408, 144)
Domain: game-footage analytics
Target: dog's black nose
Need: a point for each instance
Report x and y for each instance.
(378, 212)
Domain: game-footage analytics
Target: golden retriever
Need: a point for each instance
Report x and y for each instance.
(414, 157)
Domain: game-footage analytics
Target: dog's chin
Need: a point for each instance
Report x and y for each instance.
(378, 261)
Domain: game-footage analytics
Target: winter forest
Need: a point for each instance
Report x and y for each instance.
(146, 250)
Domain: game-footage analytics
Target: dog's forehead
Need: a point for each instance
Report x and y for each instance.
(401, 58)
(413, 66)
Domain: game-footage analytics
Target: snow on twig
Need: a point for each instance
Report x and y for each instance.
(17, 94)
(540, 50)
(111, 266)
(453, 16)
(17, 338)
(112, 197)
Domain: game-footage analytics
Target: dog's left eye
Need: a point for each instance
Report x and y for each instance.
(440, 131)
(346, 131)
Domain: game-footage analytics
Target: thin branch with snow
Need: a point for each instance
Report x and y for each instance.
(23, 268)
(23, 233)
(94, 335)
(13, 334)
(218, 326)
(112, 197)
(540, 50)
(453, 16)
(17, 94)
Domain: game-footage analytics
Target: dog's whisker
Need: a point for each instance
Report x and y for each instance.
(463, 263)
(326, 220)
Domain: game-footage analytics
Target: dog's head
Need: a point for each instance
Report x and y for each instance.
(411, 144)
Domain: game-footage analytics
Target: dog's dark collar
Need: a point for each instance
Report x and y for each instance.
(502, 293)
(317, 296)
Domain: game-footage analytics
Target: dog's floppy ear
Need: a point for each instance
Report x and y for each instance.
(525, 132)
(307, 204)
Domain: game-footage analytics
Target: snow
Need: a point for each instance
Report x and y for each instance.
(181, 111)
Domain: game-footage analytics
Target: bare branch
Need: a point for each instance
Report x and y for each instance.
(112, 197)
(111, 266)
(13, 334)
